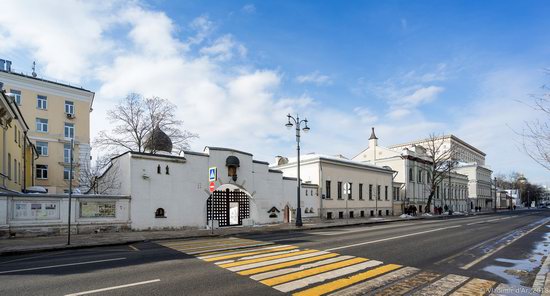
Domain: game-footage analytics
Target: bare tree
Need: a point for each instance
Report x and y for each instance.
(100, 178)
(536, 133)
(442, 160)
(135, 117)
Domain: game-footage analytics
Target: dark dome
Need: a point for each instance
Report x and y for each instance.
(157, 140)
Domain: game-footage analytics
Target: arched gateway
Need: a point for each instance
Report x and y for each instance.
(229, 205)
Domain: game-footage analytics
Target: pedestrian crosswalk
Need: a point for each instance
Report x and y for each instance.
(307, 272)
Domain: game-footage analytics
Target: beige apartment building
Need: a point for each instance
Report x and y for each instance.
(56, 113)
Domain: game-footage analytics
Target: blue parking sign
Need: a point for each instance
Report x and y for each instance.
(212, 174)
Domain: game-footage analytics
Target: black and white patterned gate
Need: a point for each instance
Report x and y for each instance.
(220, 206)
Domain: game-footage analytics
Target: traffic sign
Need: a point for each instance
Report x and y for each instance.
(212, 186)
(212, 174)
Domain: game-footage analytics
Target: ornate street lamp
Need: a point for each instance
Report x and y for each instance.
(297, 123)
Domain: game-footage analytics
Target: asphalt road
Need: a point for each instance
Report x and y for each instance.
(484, 248)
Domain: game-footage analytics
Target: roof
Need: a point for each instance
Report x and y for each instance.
(46, 80)
(227, 149)
(334, 159)
(452, 137)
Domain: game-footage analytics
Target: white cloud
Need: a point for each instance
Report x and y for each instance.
(249, 8)
(315, 78)
(224, 48)
(422, 95)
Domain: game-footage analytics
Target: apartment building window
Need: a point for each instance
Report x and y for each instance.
(437, 192)
(66, 173)
(339, 190)
(360, 191)
(41, 171)
(370, 191)
(69, 130)
(327, 189)
(378, 191)
(386, 192)
(428, 177)
(350, 196)
(69, 107)
(15, 171)
(42, 102)
(395, 193)
(42, 148)
(67, 153)
(42, 125)
(419, 176)
(411, 175)
(16, 96)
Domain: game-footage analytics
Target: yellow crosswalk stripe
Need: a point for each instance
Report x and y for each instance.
(341, 283)
(287, 264)
(199, 242)
(248, 254)
(239, 250)
(244, 262)
(474, 287)
(200, 249)
(309, 272)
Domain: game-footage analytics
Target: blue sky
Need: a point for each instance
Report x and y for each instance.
(235, 68)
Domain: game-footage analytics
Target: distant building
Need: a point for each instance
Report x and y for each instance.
(412, 165)
(471, 163)
(56, 113)
(17, 152)
(370, 192)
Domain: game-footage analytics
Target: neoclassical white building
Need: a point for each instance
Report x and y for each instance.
(349, 189)
(412, 165)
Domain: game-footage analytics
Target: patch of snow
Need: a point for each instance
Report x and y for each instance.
(405, 216)
(427, 215)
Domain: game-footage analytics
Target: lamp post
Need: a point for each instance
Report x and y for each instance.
(297, 123)
(495, 194)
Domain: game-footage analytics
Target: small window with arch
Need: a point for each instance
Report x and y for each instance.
(167, 170)
(159, 213)
(158, 169)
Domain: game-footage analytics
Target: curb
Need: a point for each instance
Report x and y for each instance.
(260, 231)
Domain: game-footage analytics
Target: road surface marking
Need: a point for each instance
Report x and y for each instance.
(229, 252)
(409, 284)
(61, 265)
(265, 263)
(133, 248)
(245, 262)
(187, 243)
(309, 272)
(231, 256)
(225, 248)
(217, 247)
(341, 283)
(302, 283)
(489, 254)
(442, 286)
(113, 288)
(474, 287)
(278, 271)
(381, 281)
(257, 256)
(478, 222)
(392, 238)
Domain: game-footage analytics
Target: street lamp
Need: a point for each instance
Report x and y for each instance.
(297, 123)
(495, 182)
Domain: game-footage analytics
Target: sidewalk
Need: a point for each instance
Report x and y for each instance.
(48, 243)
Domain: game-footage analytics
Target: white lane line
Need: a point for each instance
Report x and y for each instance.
(479, 222)
(302, 283)
(392, 238)
(275, 261)
(61, 265)
(442, 286)
(113, 288)
(274, 273)
(487, 255)
(241, 251)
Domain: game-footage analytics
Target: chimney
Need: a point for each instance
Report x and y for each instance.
(373, 143)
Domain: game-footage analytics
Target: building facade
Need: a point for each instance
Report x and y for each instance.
(471, 162)
(17, 153)
(349, 189)
(56, 113)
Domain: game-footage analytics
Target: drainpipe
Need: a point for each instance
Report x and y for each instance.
(25, 161)
(321, 186)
